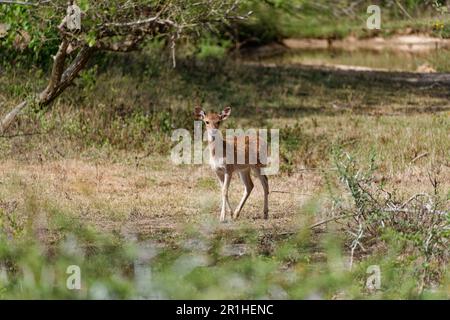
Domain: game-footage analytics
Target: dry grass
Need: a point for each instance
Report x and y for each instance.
(157, 196)
(153, 196)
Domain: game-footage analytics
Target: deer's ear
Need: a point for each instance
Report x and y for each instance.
(199, 114)
(225, 113)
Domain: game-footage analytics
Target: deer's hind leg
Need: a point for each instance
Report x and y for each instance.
(265, 184)
(225, 188)
(248, 183)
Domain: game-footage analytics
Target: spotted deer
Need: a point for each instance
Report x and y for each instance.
(225, 166)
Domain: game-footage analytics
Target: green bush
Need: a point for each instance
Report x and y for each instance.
(419, 222)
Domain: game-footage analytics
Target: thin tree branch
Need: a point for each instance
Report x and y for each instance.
(24, 3)
(132, 23)
(403, 9)
(127, 45)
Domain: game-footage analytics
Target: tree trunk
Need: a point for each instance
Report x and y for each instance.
(60, 79)
(49, 94)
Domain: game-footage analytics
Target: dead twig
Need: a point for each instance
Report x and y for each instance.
(331, 220)
(420, 156)
(288, 192)
(403, 9)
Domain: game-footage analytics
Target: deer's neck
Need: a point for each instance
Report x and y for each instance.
(215, 141)
(217, 149)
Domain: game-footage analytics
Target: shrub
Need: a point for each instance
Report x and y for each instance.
(420, 221)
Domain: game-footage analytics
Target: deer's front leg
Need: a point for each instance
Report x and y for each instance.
(225, 187)
(221, 175)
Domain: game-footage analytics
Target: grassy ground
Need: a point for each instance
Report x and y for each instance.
(100, 157)
(339, 19)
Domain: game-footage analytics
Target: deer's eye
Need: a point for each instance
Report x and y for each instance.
(207, 122)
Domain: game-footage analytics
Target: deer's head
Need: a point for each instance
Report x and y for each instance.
(212, 120)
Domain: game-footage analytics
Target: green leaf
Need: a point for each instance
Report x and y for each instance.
(84, 5)
(91, 40)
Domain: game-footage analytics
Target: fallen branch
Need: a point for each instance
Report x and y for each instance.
(420, 156)
(332, 219)
(288, 192)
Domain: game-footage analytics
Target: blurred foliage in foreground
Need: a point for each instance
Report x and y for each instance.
(202, 266)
